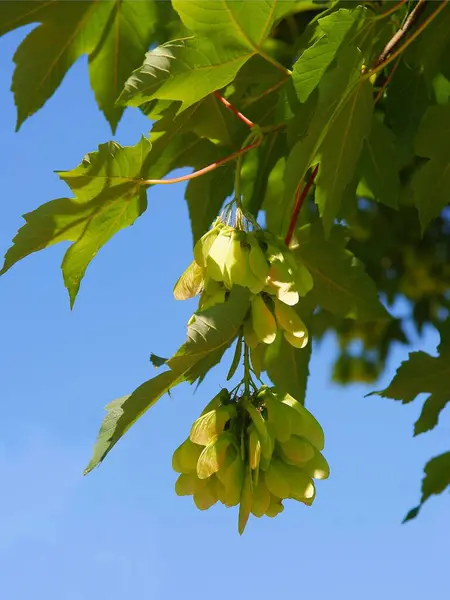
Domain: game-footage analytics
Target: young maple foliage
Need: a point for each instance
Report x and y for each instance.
(326, 121)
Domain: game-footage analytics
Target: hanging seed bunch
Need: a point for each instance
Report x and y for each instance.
(234, 255)
(253, 451)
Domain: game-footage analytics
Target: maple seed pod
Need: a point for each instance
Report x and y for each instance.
(295, 341)
(275, 507)
(237, 261)
(186, 484)
(254, 448)
(185, 457)
(261, 498)
(267, 444)
(190, 283)
(301, 486)
(279, 417)
(257, 356)
(209, 425)
(296, 450)
(214, 455)
(289, 320)
(263, 321)
(202, 247)
(307, 426)
(275, 480)
(231, 478)
(216, 262)
(205, 497)
(317, 467)
(250, 338)
(246, 499)
(257, 260)
(287, 295)
(281, 278)
(223, 397)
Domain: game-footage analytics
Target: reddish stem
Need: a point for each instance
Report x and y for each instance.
(388, 80)
(300, 195)
(207, 169)
(392, 10)
(233, 109)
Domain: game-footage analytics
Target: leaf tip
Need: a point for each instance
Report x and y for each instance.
(412, 514)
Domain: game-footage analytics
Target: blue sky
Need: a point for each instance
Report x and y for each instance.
(122, 531)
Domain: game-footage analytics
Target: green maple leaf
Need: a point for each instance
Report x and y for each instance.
(114, 33)
(404, 117)
(341, 121)
(431, 183)
(340, 150)
(108, 197)
(213, 330)
(110, 194)
(379, 166)
(331, 31)
(436, 480)
(123, 412)
(427, 54)
(226, 34)
(341, 285)
(272, 149)
(190, 139)
(423, 373)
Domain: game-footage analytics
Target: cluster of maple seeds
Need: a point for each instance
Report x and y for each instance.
(226, 256)
(253, 451)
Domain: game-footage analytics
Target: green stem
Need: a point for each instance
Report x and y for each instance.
(247, 368)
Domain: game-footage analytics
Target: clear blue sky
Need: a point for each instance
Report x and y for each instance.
(122, 532)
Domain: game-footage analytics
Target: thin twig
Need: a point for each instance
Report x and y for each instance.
(267, 91)
(390, 11)
(409, 41)
(234, 110)
(274, 62)
(387, 81)
(395, 39)
(300, 195)
(205, 170)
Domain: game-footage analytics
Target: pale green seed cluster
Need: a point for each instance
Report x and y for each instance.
(252, 451)
(227, 256)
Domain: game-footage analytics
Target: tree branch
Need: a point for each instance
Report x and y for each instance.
(234, 110)
(411, 38)
(205, 170)
(391, 10)
(412, 17)
(300, 196)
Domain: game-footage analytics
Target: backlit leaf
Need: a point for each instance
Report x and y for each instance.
(315, 60)
(341, 285)
(123, 412)
(108, 196)
(423, 373)
(436, 480)
(115, 34)
(225, 36)
(431, 184)
(212, 330)
(379, 165)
